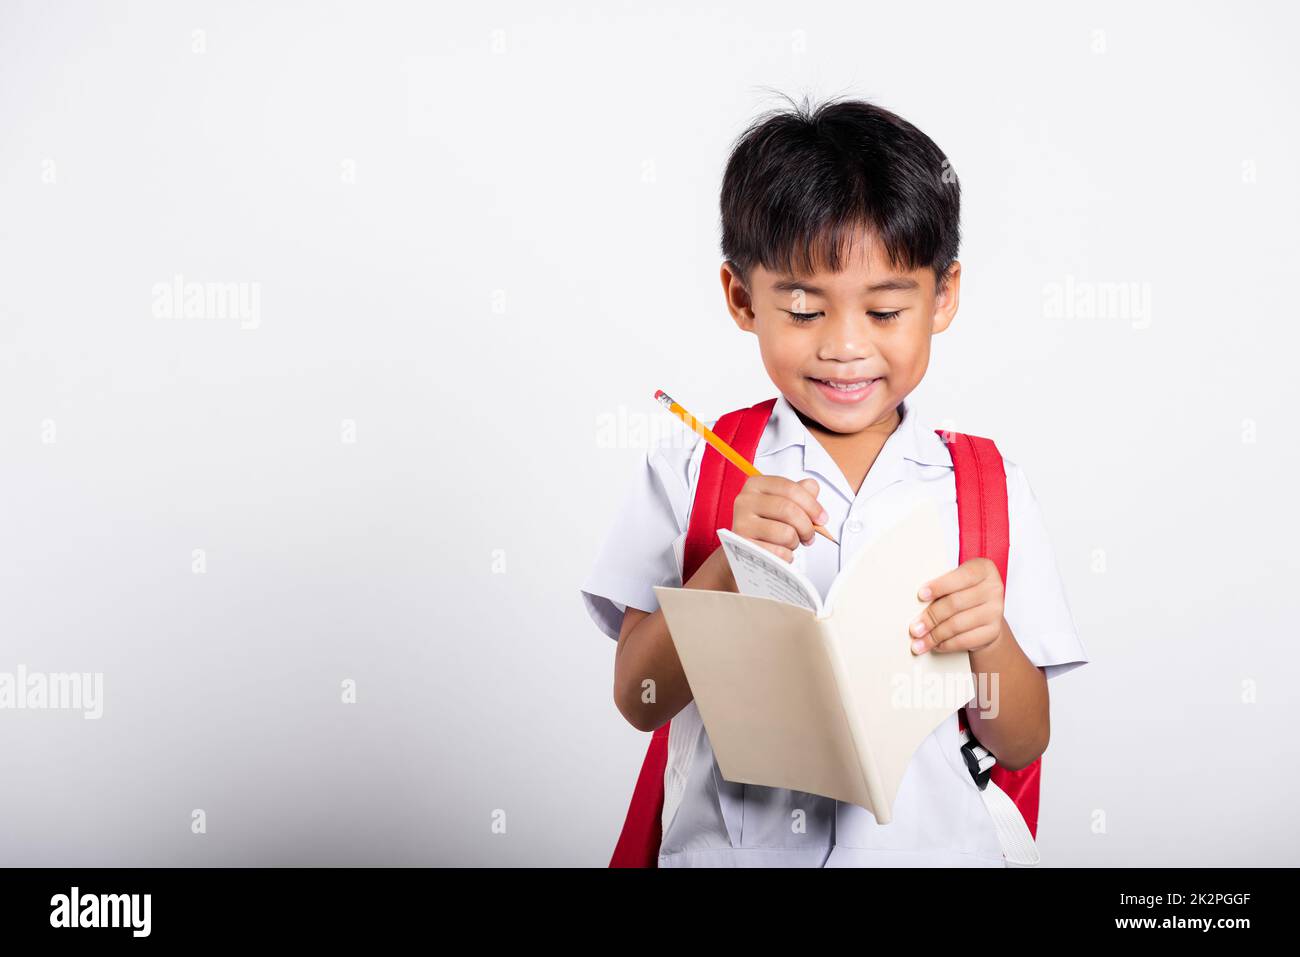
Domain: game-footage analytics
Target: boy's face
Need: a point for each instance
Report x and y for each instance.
(869, 323)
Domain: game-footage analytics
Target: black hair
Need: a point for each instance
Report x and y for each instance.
(801, 182)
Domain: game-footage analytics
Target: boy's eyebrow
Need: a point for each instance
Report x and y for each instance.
(885, 285)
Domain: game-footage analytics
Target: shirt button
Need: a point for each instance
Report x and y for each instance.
(854, 527)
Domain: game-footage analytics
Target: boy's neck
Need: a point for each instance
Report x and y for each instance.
(855, 452)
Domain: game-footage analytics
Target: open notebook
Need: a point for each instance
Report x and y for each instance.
(823, 697)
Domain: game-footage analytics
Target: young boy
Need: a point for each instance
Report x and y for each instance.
(840, 234)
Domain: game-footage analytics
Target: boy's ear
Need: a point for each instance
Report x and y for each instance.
(946, 298)
(739, 302)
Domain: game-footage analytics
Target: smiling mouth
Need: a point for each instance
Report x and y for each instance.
(848, 386)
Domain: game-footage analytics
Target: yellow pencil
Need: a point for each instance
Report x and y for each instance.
(727, 451)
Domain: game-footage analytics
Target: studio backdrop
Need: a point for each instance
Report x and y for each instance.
(329, 336)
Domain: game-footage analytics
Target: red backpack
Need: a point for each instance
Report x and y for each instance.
(982, 517)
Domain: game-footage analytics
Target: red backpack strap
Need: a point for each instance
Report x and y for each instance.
(715, 493)
(986, 533)
(720, 482)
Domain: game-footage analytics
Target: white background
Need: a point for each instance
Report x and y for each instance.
(479, 229)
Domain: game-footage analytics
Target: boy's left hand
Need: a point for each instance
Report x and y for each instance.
(965, 610)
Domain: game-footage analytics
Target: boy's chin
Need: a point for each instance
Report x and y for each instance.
(845, 423)
(843, 417)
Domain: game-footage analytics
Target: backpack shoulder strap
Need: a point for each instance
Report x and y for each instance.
(720, 482)
(986, 533)
(716, 489)
(981, 498)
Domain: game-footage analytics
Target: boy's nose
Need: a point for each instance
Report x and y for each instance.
(844, 338)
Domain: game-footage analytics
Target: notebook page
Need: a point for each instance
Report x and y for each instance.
(896, 698)
(760, 573)
(919, 522)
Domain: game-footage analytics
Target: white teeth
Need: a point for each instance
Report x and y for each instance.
(847, 388)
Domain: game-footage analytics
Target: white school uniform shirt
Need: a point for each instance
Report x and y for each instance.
(939, 816)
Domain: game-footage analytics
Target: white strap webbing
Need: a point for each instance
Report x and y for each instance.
(1018, 845)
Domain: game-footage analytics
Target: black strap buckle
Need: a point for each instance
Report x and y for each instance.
(979, 760)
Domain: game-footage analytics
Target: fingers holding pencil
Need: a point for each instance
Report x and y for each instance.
(777, 513)
(822, 516)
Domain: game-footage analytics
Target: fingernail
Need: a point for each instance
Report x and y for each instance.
(918, 628)
(925, 593)
(918, 646)
(823, 518)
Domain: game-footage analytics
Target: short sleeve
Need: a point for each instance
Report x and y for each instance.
(644, 546)
(1034, 602)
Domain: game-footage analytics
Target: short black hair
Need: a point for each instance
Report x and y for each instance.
(802, 181)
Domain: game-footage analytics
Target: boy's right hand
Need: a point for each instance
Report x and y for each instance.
(778, 513)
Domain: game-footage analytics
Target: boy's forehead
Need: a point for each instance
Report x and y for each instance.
(851, 279)
(864, 266)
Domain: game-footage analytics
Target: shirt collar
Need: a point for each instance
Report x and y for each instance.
(909, 442)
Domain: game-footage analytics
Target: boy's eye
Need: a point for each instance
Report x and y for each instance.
(802, 317)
